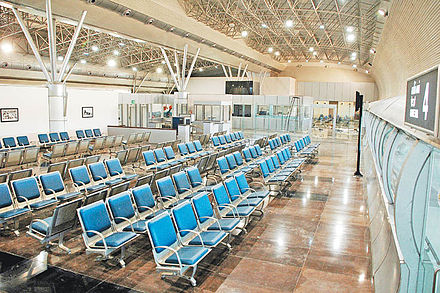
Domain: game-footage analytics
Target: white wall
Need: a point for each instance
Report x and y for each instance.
(337, 91)
(278, 86)
(33, 110)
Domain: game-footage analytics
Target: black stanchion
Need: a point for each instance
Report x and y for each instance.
(359, 106)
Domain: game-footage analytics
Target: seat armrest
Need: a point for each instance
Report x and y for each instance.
(126, 220)
(40, 221)
(195, 232)
(173, 250)
(215, 219)
(100, 236)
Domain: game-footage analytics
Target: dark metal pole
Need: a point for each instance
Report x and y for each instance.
(358, 171)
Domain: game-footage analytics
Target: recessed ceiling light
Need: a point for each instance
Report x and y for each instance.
(201, 69)
(311, 49)
(372, 51)
(270, 50)
(277, 53)
(353, 58)
(289, 61)
(382, 12)
(321, 61)
(187, 35)
(83, 61)
(339, 62)
(86, 53)
(307, 60)
(351, 38)
(111, 62)
(216, 66)
(163, 62)
(122, 44)
(159, 70)
(95, 48)
(7, 47)
(263, 25)
(354, 65)
(315, 53)
(289, 23)
(116, 52)
(349, 29)
(231, 24)
(366, 71)
(134, 69)
(322, 26)
(244, 34)
(353, 54)
(60, 58)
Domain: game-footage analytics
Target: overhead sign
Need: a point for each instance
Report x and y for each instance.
(422, 94)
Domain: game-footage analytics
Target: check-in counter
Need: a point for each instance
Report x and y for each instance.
(157, 134)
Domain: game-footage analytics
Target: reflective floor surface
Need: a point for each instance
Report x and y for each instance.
(313, 238)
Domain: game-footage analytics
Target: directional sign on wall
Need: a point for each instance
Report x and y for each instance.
(422, 101)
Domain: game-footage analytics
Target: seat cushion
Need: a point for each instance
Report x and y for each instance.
(259, 194)
(139, 226)
(188, 255)
(40, 227)
(242, 211)
(68, 195)
(225, 224)
(113, 181)
(117, 239)
(95, 187)
(210, 238)
(129, 177)
(250, 202)
(14, 213)
(47, 155)
(43, 203)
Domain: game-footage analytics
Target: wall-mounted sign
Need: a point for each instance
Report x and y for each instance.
(9, 114)
(87, 112)
(422, 101)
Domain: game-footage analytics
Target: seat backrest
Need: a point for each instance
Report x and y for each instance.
(247, 154)
(114, 167)
(210, 164)
(258, 150)
(191, 148)
(57, 167)
(80, 134)
(215, 141)
(169, 153)
(182, 149)
(238, 158)
(9, 142)
(281, 157)
(132, 155)
(278, 141)
(54, 137)
(143, 197)
(71, 148)
(121, 206)
(231, 161)
(118, 140)
(30, 155)
(147, 179)
(92, 159)
(51, 183)
(43, 138)
(83, 146)
(149, 158)
(98, 171)
(166, 187)
(5, 196)
(223, 165)
(220, 195)
(97, 132)
(202, 206)
(232, 136)
(19, 174)
(13, 157)
(118, 188)
(64, 216)
(3, 177)
(222, 139)
(288, 137)
(184, 218)
(99, 143)
(160, 155)
(58, 150)
(275, 161)
(270, 165)
(264, 169)
(94, 217)
(198, 145)
(64, 136)
(242, 182)
(271, 144)
(121, 156)
(228, 138)
(232, 187)
(181, 181)
(23, 140)
(95, 196)
(253, 152)
(194, 176)
(161, 231)
(88, 133)
(73, 163)
(131, 138)
(79, 175)
(26, 188)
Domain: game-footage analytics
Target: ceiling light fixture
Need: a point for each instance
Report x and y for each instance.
(7, 47)
(270, 50)
(263, 25)
(201, 69)
(307, 60)
(349, 29)
(372, 51)
(311, 49)
(244, 34)
(122, 44)
(111, 62)
(366, 71)
(322, 26)
(315, 53)
(382, 12)
(163, 62)
(289, 23)
(321, 61)
(134, 69)
(95, 48)
(289, 61)
(351, 38)
(60, 58)
(83, 61)
(354, 66)
(277, 53)
(116, 52)
(339, 62)
(159, 70)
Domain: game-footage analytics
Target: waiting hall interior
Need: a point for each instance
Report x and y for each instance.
(219, 146)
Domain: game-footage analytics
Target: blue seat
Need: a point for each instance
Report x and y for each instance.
(183, 185)
(23, 140)
(89, 133)
(28, 194)
(167, 192)
(124, 214)
(171, 156)
(206, 216)
(97, 132)
(199, 148)
(81, 180)
(169, 253)
(222, 140)
(9, 211)
(149, 159)
(144, 202)
(53, 185)
(245, 189)
(189, 230)
(225, 206)
(258, 150)
(114, 169)
(43, 138)
(64, 136)
(80, 134)
(54, 137)
(99, 233)
(236, 196)
(254, 153)
(99, 174)
(215, 141)
(183, 149)
(223, 165)
(9, 142)
(231, 162)
(228, 138)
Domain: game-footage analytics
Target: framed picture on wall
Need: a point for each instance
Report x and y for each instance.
(87, 112)
(9, 114)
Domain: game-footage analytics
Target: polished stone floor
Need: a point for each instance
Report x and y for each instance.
(313, 238)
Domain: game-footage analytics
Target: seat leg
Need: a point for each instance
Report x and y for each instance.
(192, 280)
(121, 259)
(61, 244)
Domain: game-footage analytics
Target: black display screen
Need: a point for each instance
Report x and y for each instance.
(241, 88)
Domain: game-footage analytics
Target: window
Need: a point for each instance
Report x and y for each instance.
(242, 110)
(262, 110)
